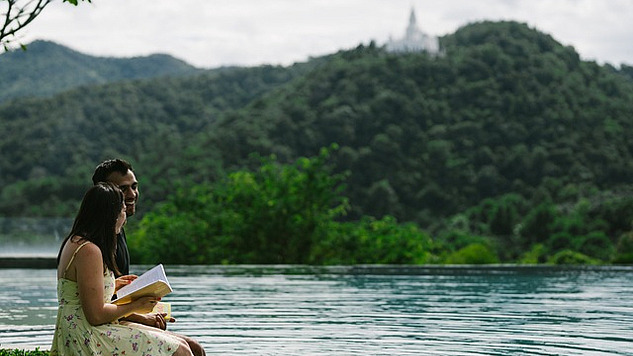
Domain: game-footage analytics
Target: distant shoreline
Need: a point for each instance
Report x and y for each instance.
(28, 262)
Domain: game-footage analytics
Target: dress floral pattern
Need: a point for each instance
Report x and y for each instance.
(75, 336)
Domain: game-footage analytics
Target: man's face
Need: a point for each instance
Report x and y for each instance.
(128, 184)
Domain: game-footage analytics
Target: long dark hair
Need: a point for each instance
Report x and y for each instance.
(96, 221)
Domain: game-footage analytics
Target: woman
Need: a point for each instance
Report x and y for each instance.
(87, 324)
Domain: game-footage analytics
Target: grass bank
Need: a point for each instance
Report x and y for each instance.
(17, 352)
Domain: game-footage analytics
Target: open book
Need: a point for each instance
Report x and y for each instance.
(151, 283)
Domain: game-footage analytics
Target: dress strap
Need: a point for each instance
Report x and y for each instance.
(73, 257)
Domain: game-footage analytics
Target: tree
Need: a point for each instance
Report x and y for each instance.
(274, 214)
(17, 14)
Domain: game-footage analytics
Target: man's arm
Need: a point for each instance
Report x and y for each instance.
(156, 320)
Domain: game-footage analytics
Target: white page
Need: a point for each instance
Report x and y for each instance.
(157, 273)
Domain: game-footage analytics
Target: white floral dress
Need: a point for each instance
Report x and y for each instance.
(75, 336)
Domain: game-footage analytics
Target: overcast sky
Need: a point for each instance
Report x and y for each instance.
(212, 33)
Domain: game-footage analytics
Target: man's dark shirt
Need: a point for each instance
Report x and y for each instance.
(122, 254)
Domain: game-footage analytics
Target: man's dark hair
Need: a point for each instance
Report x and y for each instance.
(103, 170)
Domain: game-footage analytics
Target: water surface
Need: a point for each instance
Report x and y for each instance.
(368, 310)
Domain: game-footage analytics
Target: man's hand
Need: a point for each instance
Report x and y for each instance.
(124, 281)
(156, 320)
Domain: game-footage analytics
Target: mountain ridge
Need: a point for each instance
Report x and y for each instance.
(46, 68)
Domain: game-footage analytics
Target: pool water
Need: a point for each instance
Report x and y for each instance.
(368, 310)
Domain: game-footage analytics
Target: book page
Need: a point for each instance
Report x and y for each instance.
(153, 282)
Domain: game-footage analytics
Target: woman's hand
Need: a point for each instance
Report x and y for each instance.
(124, 281)
(144, 305)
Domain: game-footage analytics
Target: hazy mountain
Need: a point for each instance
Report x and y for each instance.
(46, 68)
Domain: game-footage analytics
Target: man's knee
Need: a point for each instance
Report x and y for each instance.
(183, 350)
(195, 347)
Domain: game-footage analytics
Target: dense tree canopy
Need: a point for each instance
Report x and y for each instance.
(508, 147)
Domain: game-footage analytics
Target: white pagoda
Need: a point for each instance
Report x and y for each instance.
(414, 40)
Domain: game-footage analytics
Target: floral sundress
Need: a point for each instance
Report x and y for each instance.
(75, 336)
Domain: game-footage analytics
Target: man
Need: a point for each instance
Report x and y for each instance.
(120, 172)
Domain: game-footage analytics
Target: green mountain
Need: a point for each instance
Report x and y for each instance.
(506, 110)
(50, 146)
(507, 113)
(46, 68)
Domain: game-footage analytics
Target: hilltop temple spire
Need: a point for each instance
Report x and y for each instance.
(413, 24)
(414, 39)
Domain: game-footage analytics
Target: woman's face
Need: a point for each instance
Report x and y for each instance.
(120, 221)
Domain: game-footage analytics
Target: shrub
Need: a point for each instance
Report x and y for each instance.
(536, 255)
(370, 240)
(476, 254)
(624, 252)
(597, 245)
(569, 257)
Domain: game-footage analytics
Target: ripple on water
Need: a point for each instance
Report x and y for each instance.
(269, 311)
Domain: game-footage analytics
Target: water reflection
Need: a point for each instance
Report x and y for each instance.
(290, 310)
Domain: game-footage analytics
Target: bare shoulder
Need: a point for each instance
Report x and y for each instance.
(82, 249)
(75, 255)
(88, 261)
(89, 251)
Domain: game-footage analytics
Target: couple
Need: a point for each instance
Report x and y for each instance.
(93, 254)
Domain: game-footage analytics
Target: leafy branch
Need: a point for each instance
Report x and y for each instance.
(15, 15)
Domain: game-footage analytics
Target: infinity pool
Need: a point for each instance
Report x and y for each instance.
(368, 310)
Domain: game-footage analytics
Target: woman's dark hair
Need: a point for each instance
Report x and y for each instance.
(96, 221)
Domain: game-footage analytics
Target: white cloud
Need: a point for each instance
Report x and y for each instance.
(211, 33)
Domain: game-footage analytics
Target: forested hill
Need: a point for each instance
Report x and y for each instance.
(50, 146)
(506, 109)
(46, 68)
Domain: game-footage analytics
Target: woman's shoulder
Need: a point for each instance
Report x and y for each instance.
(83, 247)
(77, 252)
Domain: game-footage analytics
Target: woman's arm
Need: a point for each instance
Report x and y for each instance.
(89, 268)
